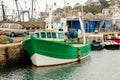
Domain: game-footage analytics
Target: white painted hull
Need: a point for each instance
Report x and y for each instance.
(41, 60)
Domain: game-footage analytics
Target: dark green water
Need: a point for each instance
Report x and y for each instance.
(100, 65)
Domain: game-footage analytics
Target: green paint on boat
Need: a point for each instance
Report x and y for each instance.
(56, 49)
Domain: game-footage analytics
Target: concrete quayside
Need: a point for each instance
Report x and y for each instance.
(12, 53)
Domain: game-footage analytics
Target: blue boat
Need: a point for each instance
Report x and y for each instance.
(96, 40)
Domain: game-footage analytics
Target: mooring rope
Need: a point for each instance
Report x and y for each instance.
(79, 54)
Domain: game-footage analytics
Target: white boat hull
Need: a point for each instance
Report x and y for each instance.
(41, 60)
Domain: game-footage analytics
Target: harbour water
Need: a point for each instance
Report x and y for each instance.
(100, 65)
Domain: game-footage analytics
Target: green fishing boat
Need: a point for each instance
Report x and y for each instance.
(44, 52)
(47, 48)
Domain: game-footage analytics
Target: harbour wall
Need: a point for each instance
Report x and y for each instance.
(12, 53)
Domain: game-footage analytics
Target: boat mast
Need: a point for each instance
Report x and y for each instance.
(50, 18)
(18, 10)
(4, 18)
(82, 25)
(32, 11)
(65, 8)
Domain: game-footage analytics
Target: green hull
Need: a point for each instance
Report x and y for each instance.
(55, 49)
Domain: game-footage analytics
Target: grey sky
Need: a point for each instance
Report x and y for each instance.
(40, 5)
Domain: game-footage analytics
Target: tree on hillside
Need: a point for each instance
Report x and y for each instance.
(92, 8)
(96, 7)
(103, 4)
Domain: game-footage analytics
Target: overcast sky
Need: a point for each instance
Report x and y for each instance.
(40, 4)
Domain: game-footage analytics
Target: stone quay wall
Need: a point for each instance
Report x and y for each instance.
(12, 52)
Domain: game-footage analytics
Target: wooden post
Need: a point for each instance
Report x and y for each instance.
(79, 55)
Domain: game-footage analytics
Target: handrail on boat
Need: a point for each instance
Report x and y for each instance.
(46, 35)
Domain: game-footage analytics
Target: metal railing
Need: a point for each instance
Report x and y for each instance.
(59, 35)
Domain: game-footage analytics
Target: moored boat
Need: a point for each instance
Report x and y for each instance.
(117, 40)
(49, 48)
(48, 52)
(96, 40)
(113, 42)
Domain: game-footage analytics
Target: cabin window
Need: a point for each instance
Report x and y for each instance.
(43, 35)
(54, 35)
(48, 35)
(60, 35)
(37, 35)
